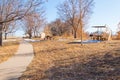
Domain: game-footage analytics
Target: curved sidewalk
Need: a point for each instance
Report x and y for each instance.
(15, 66)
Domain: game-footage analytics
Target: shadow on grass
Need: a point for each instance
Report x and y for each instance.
(51, 50)
(82, 42)
(18, 55)
(105, 67)
(23, 55)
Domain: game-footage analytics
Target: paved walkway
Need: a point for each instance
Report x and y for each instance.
(15, 66)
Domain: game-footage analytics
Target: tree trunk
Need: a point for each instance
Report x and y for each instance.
(34, 34)
(81, 35)
(6, 36)
(30, 36)
(75, 34)
(1, 34)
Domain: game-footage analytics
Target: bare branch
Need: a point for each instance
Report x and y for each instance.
(75, 12)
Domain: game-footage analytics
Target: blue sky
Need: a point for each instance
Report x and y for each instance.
(51, 11)
(105, 12)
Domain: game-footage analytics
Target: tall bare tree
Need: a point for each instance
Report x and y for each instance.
(12, 10)
(75, 12)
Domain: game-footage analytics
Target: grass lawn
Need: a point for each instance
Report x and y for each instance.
(7, 50)
(55, 60)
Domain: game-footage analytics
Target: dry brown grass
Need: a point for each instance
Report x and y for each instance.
(7, 50)
(62, 61)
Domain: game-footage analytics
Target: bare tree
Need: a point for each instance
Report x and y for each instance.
(29, 24)
(39, 22)
(57, 28)
(75, 12)
(12, 10)
(118, 31)
(9, 27)
(33, 23)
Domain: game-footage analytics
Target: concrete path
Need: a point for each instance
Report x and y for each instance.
(15, 66)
